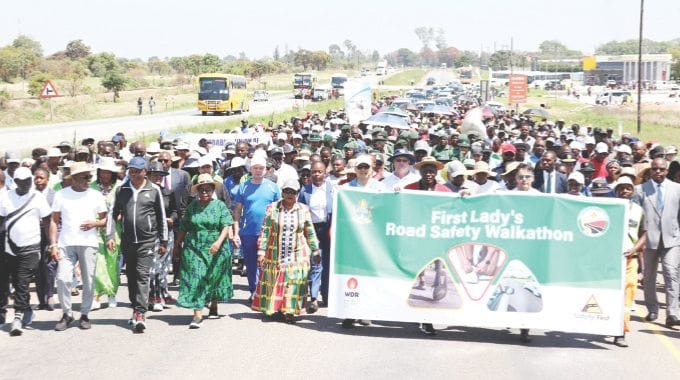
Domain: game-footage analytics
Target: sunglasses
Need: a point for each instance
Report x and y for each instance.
(524, 177)
(289, 191)
(84, 177)
(205, 190)
(363, 167)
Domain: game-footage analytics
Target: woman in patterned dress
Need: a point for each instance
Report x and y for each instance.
(286, 242)
(206, 257)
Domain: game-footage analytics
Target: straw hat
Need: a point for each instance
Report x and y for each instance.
(203, 179)
(429, 160)
(79, 167)
(482, 167)
(108, 164)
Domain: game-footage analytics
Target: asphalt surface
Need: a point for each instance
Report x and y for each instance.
(243, 343)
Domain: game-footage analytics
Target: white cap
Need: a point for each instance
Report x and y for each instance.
(205, 161)
(363, 159)
(258, 160)
(282, 136)
(577, 176)
(236, 162)
(601, 148)
(22, 173)
(53, 152)
(589, 140)
(576, 145)
(623, 149)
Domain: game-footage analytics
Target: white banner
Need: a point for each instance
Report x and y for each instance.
(357, 101)
(221, 139)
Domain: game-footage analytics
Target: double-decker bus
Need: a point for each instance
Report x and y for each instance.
(222, 93)
(303, 85)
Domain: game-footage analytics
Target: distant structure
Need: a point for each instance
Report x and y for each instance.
(656, 69)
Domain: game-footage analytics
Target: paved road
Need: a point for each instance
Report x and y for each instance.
(28, 137)
(242, 343)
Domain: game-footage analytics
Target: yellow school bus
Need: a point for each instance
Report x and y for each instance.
(222, 93)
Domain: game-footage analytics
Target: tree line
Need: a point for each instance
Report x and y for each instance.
(23, 59)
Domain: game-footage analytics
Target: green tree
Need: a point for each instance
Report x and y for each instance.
(675, 67)
(302, 58)
(114, 81)
(276, 54)
(448, 55)
(37, 82)
(211, 64)
(74, 78)
(77, 49)
(29, 44)
(500, 60)
(319, 59)
(102, 63)
(440, 39)
(467, 58)
(10, 63)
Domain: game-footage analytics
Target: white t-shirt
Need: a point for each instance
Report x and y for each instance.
(26, 228)
(75, 208)
(391, 182)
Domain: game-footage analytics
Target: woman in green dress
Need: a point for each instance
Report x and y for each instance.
(286, 243)
(206, 258)
(107, 269)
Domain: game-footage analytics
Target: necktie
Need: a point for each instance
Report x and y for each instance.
(659, 198)
(548, 185)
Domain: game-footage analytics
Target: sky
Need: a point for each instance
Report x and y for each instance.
(146, 28)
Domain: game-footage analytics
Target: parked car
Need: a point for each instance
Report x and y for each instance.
(614, 97)
(260, 96)
(430, 81)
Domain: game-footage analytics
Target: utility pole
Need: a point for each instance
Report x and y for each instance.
(639, 76)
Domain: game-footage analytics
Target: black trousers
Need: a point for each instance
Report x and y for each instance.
(322, 234)
(22, 268)
(44, 281)
(138, 261)
(4, 277)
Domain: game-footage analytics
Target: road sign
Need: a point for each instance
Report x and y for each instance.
(517, 85)
(48, 91)
(589, 63)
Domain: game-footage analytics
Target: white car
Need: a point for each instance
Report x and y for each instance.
(260, 96)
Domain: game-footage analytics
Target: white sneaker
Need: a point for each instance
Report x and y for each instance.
(96, 305)
(157, 307)
(112, 301)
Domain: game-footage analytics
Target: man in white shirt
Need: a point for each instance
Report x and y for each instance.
(81, 211)
(403, 172)
(319, 197)
(482, 173)
(21, 211)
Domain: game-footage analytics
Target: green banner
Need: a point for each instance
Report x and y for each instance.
(496, 260)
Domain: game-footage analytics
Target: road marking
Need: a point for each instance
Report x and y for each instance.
(665, 341)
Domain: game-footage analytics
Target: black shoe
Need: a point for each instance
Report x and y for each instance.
(312, 307)
(651, 317)
(212, 314)
(85, 323)
(620, 341)
(63, 323)
(3, 317)
(524, 335)
(348, 323)
(427, 329)
(671, 321)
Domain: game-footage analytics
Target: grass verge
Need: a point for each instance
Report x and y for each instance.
(405, 77)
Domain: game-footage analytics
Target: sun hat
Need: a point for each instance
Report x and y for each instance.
(456, 168)
(82, 167)
(108, 164)
(203, 179)
(482, 167)
(429, 160)
(156, 168)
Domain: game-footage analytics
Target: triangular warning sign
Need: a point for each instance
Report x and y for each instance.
(48, 91)
(592, 306)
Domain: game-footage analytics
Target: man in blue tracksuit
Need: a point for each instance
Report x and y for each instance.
(139, 204)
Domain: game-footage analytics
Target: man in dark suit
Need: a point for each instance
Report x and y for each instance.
(180, 183)
(546, 178)
(660, 201)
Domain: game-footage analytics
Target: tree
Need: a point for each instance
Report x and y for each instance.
(467, 58)
(425, 35)
(440, 39)
(427, 56)
(10, 63)
(29, 44)
(319, 59)
(500, 60)
(100, 64)
(375, 56)
(276, 54)
(77, 49)
(114, 81)
(675, 66)
(75, 77)
(37, 83)
(302, 58)
(449, 56)
(404, 57)
(554, 48)
(211, 64)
